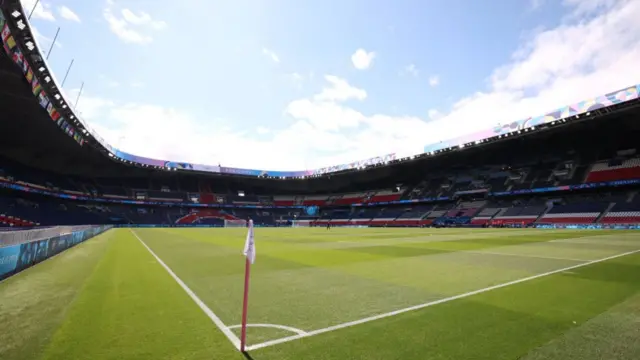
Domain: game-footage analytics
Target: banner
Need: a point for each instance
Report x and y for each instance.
(43, 100)
(8, 259)
(588, 226)
(16, 258)
(35, 87)
(5, 33)
(29, 76)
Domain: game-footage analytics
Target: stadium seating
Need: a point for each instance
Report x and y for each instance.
(198, 215)
(22, 212)
(623, 213)
(519, 215)
(414, 216)
(385, 196)
(615, 170)
(574, 213)
(484, 216)
(468, 203)
(497, 183)
(315, 200)
(349, 199)
(386, 217)
(284, 200)
(12, 221)
(364, 216)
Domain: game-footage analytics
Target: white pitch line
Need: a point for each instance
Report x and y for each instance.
(216, 320)
(422, 306)
(275, 326)
(525, 255)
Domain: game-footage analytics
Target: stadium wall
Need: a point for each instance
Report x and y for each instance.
(14, 259)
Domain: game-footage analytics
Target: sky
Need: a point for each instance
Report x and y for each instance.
(296, 85)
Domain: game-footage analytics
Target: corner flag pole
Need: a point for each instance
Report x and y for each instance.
(245, 303)
(250, 254)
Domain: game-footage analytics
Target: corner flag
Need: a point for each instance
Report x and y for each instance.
(249, 245)
(250, 253)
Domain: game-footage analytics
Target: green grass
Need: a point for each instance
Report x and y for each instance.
(110, 299)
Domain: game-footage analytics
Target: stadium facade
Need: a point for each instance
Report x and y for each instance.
(576, 166)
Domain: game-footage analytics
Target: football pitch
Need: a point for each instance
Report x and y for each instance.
(331, 294)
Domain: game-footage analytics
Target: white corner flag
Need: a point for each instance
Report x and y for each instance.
(249, 245)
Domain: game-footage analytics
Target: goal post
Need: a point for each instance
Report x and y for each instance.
(235, 223)
(300, 223)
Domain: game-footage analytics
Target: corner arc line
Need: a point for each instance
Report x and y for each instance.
(275, 326)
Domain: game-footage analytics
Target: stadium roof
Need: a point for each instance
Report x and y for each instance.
(21, 45)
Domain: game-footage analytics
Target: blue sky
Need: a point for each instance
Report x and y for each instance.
(292, 85)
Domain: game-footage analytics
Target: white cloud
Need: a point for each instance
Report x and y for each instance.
(410, 69)
(585, 56)
(536, 4)
(296, 79)
(586, 7)
(362, 59)
(434, 114)
(109, 81)
(68, 14)
(137, 84)
(130, 27)
(262, 130)
(434, 81)
(42, 10)
(91, 108)
(340, 90)
(271, 54)
(143, 19)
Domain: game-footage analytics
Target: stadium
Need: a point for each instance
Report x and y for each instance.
(518, 242)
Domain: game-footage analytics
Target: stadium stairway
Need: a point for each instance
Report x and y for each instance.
(486, 215)
(545, 212)
(523, 214)
(605, 212)
(623, 213)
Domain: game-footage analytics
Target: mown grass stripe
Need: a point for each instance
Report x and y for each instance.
(432, 303)
(216, 320)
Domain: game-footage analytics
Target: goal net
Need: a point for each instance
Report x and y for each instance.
(235, 223)
(300, 223)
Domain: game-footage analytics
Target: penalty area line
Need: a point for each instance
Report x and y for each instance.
(432, 303)
(216, 320)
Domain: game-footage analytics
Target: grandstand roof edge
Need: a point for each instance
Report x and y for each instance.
(583, 107)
